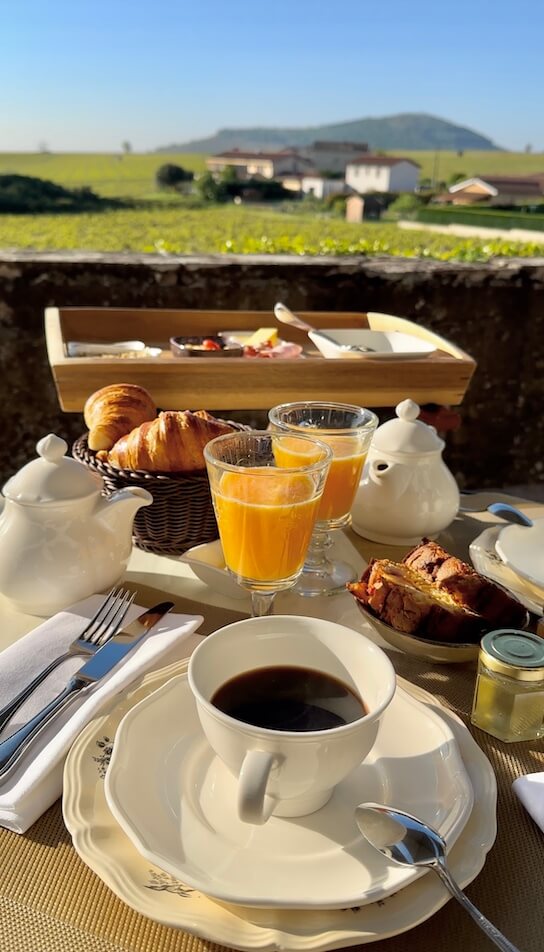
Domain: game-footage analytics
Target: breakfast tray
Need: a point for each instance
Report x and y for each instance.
(235, 383)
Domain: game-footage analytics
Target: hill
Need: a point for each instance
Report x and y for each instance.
(412, 131)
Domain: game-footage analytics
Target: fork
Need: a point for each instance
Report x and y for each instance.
(105, 623)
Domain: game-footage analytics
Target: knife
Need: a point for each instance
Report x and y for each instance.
(94, 670)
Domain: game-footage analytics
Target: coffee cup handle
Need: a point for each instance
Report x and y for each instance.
(254, 806)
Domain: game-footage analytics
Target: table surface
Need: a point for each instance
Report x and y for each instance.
(51, 902)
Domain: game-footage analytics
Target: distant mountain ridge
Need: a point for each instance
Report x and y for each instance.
(410, 131)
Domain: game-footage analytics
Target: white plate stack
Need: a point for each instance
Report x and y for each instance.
(167, 841)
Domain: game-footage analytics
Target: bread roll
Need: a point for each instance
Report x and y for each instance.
(172, 443)
(114, 411)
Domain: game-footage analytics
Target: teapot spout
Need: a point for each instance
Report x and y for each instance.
(381, 471)
(119, 509)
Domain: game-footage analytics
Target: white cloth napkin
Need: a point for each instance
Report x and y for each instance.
(530, 790)
(36, 782)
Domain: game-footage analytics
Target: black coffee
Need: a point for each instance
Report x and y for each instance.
(286, 698)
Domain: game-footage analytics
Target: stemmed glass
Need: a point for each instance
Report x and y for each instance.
(266, 506)
(348, 430)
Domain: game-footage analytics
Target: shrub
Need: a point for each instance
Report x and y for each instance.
(25, 193)
(488, 217)
(209, 189)
(336, 203)
(257, 190)
(250, 190)
(405, 205)
(170, 176)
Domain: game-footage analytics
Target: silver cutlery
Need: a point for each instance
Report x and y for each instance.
(100, 664)
(107, 620)
(405, 840)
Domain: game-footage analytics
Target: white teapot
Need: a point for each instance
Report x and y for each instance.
(406, 490)
(60, 538)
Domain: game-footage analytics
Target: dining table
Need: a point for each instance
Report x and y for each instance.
(52, 901)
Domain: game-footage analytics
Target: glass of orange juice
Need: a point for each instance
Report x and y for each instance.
(348, 430)
(266, 506)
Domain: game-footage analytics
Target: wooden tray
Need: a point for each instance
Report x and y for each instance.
(233, 383)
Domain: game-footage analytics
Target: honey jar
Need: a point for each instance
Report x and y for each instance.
(509, 693)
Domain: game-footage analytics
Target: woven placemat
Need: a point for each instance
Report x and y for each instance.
(51, 902)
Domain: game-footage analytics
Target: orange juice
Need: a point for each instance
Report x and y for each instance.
(344, 471)
(265, 520)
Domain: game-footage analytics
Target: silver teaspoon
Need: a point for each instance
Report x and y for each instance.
(405, 840)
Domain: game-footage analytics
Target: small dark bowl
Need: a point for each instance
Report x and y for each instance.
(189, 347)
(442, 652)
(438, 651)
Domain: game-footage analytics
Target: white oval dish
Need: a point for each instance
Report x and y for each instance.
(384, 345)
(104, 847)
(522, 549)
(117, 349)
(181, 811)
(208, 563)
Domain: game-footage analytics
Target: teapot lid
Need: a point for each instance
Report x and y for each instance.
(53, 477)
(407, 434)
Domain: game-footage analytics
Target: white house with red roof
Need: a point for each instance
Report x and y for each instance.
(381, 173)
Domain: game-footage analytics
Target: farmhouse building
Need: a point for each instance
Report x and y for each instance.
(312, 183)
(332, 156)
(495, 190)
(382, 173)
(267, 165)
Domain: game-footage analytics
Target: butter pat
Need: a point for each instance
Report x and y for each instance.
(263, 335)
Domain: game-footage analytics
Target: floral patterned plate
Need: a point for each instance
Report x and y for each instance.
(108, 851)
(181, 811)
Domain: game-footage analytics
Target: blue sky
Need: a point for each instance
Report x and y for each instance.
(84, 76)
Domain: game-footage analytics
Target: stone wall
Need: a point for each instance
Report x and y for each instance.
(493, 311)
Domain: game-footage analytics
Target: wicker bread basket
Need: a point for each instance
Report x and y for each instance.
(181, 514)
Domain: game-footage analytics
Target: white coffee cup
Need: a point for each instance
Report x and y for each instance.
(280, 772)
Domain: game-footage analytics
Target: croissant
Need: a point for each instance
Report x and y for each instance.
(113, 411)
(172, 443)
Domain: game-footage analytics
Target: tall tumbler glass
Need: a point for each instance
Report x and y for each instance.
(266, 508)
(348, 430)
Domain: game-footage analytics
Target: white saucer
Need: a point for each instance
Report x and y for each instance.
(180, 811)
(488, 562)
(521, 548)
(102, 845)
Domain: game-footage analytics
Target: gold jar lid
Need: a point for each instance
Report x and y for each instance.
(516, 654)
